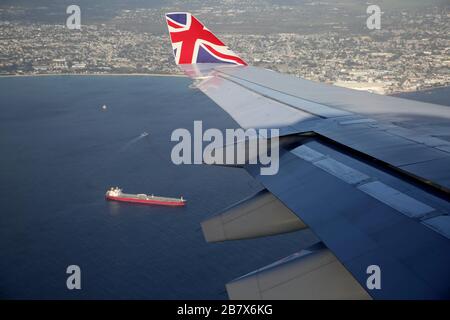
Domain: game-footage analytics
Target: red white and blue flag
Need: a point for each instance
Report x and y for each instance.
(193, 43)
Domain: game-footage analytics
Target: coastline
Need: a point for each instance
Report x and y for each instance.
(94, 74)
(393, 94)
(421, 90)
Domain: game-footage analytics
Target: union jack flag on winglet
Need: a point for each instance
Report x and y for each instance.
(193, 43)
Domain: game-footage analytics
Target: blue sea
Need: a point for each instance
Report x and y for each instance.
(60, 151)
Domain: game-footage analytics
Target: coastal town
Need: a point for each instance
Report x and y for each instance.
(410, 52)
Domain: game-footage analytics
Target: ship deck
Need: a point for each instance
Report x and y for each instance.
(156, 198)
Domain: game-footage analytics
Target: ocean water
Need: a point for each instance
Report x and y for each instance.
(60, 151)
(438, 95)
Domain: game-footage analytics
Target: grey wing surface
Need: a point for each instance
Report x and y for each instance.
(369, 176)
(365, 177)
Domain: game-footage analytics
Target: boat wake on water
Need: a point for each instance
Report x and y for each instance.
(133, 141)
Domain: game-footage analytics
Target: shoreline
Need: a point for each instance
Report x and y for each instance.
(164, 75)
(421, 90)
(93, 74)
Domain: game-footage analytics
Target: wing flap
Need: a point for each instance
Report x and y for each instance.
(308, 274)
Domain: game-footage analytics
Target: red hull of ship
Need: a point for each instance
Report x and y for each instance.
(149, 201)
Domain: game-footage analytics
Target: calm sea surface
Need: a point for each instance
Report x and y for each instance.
(60, 151)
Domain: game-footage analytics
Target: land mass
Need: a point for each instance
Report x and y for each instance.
(321, 41)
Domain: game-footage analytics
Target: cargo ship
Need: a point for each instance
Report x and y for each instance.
(116, 194)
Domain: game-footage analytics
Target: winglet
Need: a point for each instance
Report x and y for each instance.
(192, 43)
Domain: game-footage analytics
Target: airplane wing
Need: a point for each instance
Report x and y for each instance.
(368, 175)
